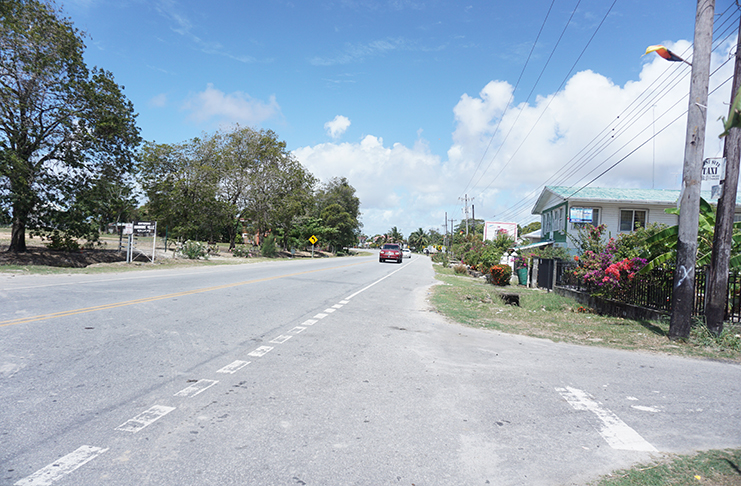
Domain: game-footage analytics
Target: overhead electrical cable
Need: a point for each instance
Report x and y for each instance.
(581, 54)
(512, 96)
(537, 81)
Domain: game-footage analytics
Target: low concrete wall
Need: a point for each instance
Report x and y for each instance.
(611, 307)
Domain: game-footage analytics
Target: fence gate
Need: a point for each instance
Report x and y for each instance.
(546, 272)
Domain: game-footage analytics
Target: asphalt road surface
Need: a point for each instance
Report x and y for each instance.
(322, 372)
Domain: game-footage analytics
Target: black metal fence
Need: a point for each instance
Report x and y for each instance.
(654, 290)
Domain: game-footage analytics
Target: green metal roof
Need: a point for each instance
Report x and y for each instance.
(667, 196)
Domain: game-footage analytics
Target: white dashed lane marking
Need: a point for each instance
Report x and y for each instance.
(330, 310)
(261, 351)
(320, 316)
(232, 368)
(196, 388)
(62, 467)
(145, 419)
(281, 339)
(297, 330)
(309, 322)
(643, 408)
(615, 432)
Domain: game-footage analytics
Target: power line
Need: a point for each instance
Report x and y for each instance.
(512, 96)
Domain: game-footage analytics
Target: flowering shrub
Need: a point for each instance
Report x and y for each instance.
(603, 269)
(610, 280)
(475, 252)
(244, 251)
(194, 250)
(500, 274)
(520, 262)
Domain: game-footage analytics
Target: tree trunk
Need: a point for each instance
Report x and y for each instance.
(18, 236)
(232, 231)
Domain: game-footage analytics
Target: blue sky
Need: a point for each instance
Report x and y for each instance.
(410, 99)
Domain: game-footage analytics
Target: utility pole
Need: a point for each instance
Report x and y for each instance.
(684, 275)
(717, 279)
(445, 238)
(465, 211)
(473, 217)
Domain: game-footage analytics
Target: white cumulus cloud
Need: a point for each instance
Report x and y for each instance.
(214, 105)
(336, 127)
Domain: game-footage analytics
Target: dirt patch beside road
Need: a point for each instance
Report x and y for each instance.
(43, 256)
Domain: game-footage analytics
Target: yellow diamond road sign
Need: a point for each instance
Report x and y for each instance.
(313, 239)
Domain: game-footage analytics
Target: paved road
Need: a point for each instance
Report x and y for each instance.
(324, 372)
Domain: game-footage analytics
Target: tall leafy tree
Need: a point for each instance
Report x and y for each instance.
(64, 129)
(202, 188)
(280, 187)
(339, 207)
(181, 184)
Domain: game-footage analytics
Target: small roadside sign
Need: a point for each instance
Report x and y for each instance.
(144, 228)
(313, 240)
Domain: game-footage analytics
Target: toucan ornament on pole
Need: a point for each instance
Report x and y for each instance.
(666, 54)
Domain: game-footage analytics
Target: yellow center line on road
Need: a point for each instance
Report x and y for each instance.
(43, 317)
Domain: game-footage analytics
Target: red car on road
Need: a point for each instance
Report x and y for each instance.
(390, 251)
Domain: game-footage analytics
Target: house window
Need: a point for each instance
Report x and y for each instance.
(632, 219)
(736, 218)
(560, 220)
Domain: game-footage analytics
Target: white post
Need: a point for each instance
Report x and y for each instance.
(154, 241)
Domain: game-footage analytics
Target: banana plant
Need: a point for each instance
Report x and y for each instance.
(663, 245)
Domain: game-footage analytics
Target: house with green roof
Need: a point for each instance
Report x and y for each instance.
(564, 209)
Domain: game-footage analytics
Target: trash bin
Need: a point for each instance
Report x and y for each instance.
(522, 275)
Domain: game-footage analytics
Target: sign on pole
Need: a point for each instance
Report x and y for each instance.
(714, 172)
(313, 241)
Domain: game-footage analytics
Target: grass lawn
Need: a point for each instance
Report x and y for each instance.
(543, 314)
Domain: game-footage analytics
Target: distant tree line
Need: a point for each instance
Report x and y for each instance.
(217, 187)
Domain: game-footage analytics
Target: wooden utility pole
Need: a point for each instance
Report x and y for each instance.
(445, 238)
(717, 281)
(684, 275)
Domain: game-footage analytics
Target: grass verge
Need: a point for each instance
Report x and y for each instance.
(717, 468)
(547, 315)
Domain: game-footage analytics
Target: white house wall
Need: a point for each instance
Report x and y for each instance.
(610, 216)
